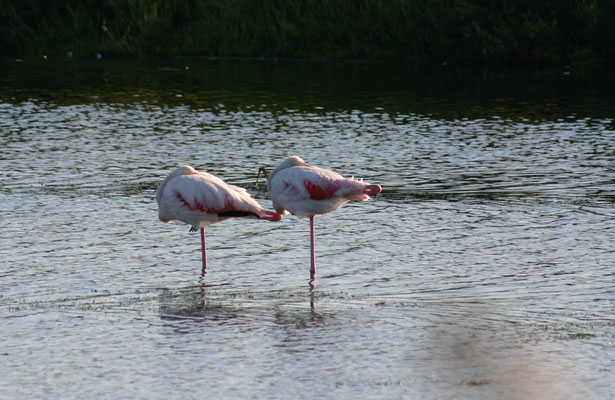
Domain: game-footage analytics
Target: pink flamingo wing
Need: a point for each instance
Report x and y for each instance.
(229, 205)
(308, 182)
(322, 184)
(202, 193)
(321, 190)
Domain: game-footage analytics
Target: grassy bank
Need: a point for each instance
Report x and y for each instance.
(462, 31)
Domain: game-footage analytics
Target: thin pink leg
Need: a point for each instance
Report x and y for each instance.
(203, 251)
(313, 267)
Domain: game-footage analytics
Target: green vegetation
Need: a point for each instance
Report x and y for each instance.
(434, 31)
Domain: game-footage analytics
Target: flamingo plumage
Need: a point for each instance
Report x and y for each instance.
(307, 191)
(201, 199)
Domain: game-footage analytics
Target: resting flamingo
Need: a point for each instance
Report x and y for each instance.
(201, 199)
(307, 191)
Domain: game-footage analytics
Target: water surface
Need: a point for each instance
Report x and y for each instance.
(485, 269)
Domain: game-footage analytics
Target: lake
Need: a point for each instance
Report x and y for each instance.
(485, 268)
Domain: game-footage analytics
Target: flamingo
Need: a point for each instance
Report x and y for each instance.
(307, 191)
(201, 199)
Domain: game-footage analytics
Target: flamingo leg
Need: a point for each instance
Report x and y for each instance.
(313, 257)
(203, 251)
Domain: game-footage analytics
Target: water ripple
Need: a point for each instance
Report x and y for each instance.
(489, 249)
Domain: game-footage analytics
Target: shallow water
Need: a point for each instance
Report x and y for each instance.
(485, 269)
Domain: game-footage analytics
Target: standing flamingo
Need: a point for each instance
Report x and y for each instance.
(307, 191)
(201, 199)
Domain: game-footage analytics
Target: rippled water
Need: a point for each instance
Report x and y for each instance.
(485, 269)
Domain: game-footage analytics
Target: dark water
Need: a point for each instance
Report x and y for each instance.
(486, 269)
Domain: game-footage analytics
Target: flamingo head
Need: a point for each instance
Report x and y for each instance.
(183, 170)
(292, 161)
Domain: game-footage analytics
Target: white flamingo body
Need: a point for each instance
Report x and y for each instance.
(201, 199)
(307, 191)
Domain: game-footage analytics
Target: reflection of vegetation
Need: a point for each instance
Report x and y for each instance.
(535, 94)
(414, 30)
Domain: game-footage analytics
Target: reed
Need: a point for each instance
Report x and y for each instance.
(453, 31)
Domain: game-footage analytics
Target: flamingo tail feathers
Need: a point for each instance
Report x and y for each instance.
(372, 190)
(363, 194)
(270, 216)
